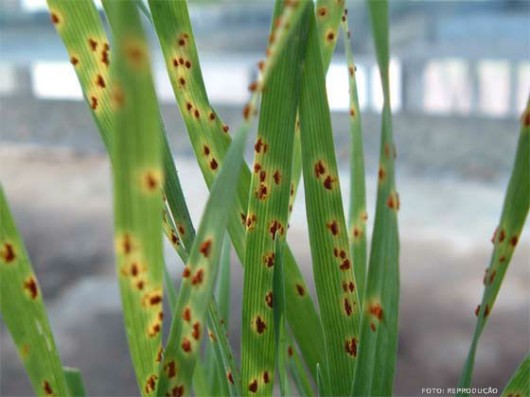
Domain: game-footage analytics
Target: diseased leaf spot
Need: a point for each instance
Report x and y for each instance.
(74, 61)
(211, 116)
(230, 377)
(320, 169)
(186, 345)
(333, 227)
(348, 309)
(262, 175)
(266, 378)
(186, 272)
(47, 388)
(300, 290)
(196, 333)
(213, 164)
(322, 11)
(198, 277)
(170, 369)
(247, 110)
(251, 221)
(174, 238)
(55, 18)
(253, 386)
(159, 354)
(275, 227)
(381, 174)
(492, 276)
(486, 310)
(140, 285)
(372, 327)
(197, 114)
(513, 241)
(152, 180)
(345, 265)
(226, 129)
(260, 146)
(328, 182)
(92, 44)
(206, 150)
(376, 311)
(277, 176)
(352, 112)
(253, 86)
(182, 81)
(8, 253)
(150, 385)
(93, 103)
(177, 391)
(187, 64)
(352, 69)
(260, 325)
(186, 314)
(290, 351)
(117, 96)
(261, 192)
(205, 248)
(268, 299)
(502, 258)
(212, 336)
(154, 329)
(100, 81)
(351, 347)
(31, 287)
(268, 259)
(330, 36)
(257, 167)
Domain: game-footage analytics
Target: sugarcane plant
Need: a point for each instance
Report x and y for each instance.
(346, 347)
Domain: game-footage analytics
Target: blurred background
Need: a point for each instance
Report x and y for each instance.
(460, 75)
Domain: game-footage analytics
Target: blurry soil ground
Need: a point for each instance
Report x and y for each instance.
(62, 205)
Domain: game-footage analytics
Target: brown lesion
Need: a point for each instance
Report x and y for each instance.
(320, 169)
(333, 227)
(74, 60)
(277, 176)
(92, 44)
(329, 182)
(260, 325)
(170, 369)
(152, 180)
(351, 347)
(31, 287)
(196, 332)
(154, 329)
(261, 146)
(330, 36)
(261, 191)
(46, 387)
(177, 391)
(205, 248)
(275, 227)
(230, 377)
(136, 53)
(94, 102)
(8, 253)
(54, 17)
(269, 299)
(348, 308)
(150, 384)
(266, 377)
(300, 290)
(186, 345)
(251, 222)
(100, 81)
(376, 310)
(152, 298)
(198, 277)
(322, 12)
(268, 259)
(214, 164)
(253, 386)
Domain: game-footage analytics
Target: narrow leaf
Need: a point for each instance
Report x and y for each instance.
(75, 383)
(519, 384)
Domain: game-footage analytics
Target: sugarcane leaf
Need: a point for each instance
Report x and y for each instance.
(279, 319)
(199, 277)
(374, 375)
(74, 380)
(23, 312)
(209, 138)
(519, 384)
(505, 239)
(332, 265)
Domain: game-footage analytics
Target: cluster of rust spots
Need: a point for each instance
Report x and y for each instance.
(31, 287)
(277, 176)
(196, 332)
(181, 62)
(345, 263)
(205, 248)
(170, 369)
(47, 388)
(268, 299)
(251, 222)
(375, 310)
(177, 391)
(268, 259)
(350, 346)
(320, 171)
(300, 290)
(230, 377)
(186, 345)
(260, 146)
(486, 310)
(393, 201)
(333, 227)
(253, 386)
(8, 252)
(198, 277)
(261, 191)
(183, 39)
(150, 384)
(266, 377)
(348, 308)
(276, 227)
(260, 325)
(348, 286)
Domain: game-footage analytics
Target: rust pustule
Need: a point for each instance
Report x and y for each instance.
(333, 227)
(205, 248)
(268, 259)
(230, 377)
(8, 252)
(260, 325)
(351, 347)
(186, 345)
(268, 299)
(266, 378)
(376, 311)
(47, 388)
(31, 287)
(196, 333)
(150, 385)
(170, 369)
(198, 277)
(277, 176)
(348, 309)
(300, 290)
(253, 386)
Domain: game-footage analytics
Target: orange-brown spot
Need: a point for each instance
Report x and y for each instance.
(159, 354)
(513, 241)
(182, 42)
(93, 103)
(197, 114)
(47, 388)
(140, 285)
(320, 169)
(126, 245)
(262, 175)
(261, 192)
(198, 277)
(189, 106)
(268, 259)
(257, 167)
(492, 276)
(266, 378)
(246, 111)
(152, 180)
(206, 150)
(226, 129)
(211, 116)
(253, 386)
(205, 248)
(155, 299)
(345, 265)
(251, 221)
(351, 347)
(274, 228)
(300, 290)
(182, 81)
(196, 333)
(260, 325)
(186, 314)
(486, 311)
(330, 36)
(351, 69)
(74, 60)
(150, 385)
(381, 174)
(154, 329)
(333, 228)
(322, 11)
(290, 351)
(328, 182)
(372, 327)
(348, 309)
(171, 369)
(8, 253)
(253, 86)
(260, 146)
(268, 299)
(187, 64)
(93, 44)
(186, 272)
(31, 287)
(177, 391)
(214, 164)
(277, 176)
(502, 258)
(230, 377)
(55, 18)
(100, 81)
(174, 238)
(376, 310)
(186, 345)
(352, 112)
(105, 57)
(356, 232)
